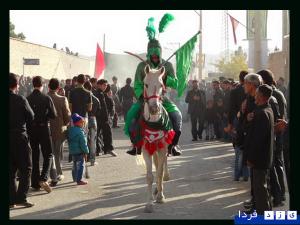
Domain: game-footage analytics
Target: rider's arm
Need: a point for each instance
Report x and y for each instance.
(138, 81)
(171, 80)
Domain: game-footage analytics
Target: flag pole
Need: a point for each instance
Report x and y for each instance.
(179, 48)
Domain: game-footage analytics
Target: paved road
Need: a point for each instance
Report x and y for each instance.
(201, 187)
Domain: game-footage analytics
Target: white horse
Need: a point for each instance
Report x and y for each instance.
(152, 112)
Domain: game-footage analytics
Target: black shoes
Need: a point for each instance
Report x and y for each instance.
(248, 204)
(53, 183)
(194, 139)
(174, 150)
(134, 151)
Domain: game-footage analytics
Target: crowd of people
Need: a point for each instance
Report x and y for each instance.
(47, 113)
(253, 115)
(208, 107)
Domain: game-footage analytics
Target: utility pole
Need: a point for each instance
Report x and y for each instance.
(103, 43)
(257, 41)
(200, 48)
(285, 24)
(224, 36)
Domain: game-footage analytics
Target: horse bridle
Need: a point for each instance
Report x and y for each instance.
(146, 98)
(154, 96)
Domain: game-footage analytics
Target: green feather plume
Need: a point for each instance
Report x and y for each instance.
(151, 29)
(164, 22)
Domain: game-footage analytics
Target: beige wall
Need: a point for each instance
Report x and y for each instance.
(276, 64)
(279, 62)
(53, 63)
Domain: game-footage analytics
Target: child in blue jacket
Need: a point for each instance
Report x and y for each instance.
(78, 148)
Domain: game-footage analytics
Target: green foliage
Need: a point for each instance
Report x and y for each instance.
(13, 34)
(164, 22)
(232, 68)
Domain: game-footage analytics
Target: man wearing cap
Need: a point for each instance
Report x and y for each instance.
(259, 144)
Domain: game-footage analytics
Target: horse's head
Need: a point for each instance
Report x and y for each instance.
(153, 88)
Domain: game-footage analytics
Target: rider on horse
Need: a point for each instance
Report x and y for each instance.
(154, 60)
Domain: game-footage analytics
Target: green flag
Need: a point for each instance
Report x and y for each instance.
(183, 63)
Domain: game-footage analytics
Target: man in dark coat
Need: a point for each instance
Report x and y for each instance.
(126, 97)
(196, 108)
(21, 115)
(251, 83)
(277, 178)
(103, 126)
(259, 145)
(236, 97)
(218, 96)
(115, 96)
(39, 134)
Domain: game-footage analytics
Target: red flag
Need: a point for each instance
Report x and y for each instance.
(234, 24)
(99, 63)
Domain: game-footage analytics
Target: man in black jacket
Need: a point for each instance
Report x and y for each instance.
(197, 102)
(39, 134)
(103, 126)
(218, 96)
(236, 97)
(277, 178)
(259, 144)
(21, 115)
(251, 83)
(126, 97)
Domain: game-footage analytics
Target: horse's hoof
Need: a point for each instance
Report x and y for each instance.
(155, 192)
(166, 178)
(149, 208)
(160, 199)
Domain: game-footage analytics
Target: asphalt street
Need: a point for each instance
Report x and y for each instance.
(201, 187)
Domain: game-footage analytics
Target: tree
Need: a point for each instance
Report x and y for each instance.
(232, 68)
(13, 34)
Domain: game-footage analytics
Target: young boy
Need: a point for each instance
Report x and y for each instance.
(78, 148)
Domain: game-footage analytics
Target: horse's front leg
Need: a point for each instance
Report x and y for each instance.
(161, 158)
(149, 177)
(166, 175)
